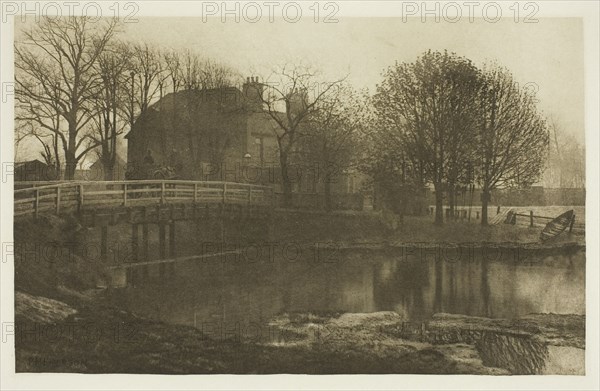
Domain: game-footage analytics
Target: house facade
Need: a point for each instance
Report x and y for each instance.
(211, 134)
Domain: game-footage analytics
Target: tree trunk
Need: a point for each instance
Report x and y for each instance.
(70, 158)
(70, 165)
(285, 182)
(327, 194)
(452, 200)
(439, 204)
(109, 169)
(485, 194)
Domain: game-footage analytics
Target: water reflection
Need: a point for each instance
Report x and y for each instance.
(230, 292)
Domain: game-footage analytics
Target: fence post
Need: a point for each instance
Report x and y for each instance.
(124, 194)
(57, 200)
(249, 195)
(498, 210)
(80, 198)
(162, 192)
(37, 202)
(195, 192)
(273, 198)
(531, 218)
(224, 192)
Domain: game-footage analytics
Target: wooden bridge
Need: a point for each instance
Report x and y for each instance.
(140, 205)
(34, 198)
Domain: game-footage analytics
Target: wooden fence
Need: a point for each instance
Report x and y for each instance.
(33, 198)
(540, 221)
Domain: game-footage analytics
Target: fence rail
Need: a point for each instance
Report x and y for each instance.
(56, 197)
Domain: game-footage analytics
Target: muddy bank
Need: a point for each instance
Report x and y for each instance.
(534, 344)
(92, 337)
(100, 339)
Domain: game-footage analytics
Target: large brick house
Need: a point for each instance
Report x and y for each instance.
(203, 135)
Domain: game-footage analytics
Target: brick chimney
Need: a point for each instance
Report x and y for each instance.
(298, 99)
(253, 92)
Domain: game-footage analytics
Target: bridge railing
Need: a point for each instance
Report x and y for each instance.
(33, 199)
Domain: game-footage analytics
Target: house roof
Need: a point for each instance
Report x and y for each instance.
(226, 98)
(118, 161)
(34, 161)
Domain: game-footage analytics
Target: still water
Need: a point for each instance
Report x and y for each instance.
(233, 289)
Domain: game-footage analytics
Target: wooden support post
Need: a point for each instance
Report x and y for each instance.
(161, 247)
(37, 203)
(531, 218)
(572, 222)
(134, 242)
(134, 253)
(222, 227)
(172, 248)
(249, 195)
(104, 242)
(124, 194)
(129, 276)
(79, 198)
(145, 252)
(57, 200)
(195, 192)
(224, 193)
(162, 192)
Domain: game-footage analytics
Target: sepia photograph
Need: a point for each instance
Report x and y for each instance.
(300, 188)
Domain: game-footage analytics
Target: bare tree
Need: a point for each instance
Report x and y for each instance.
(330, 135)
(513, 138)
(296, 91)
(172, 66)
(566, 159)
(55, 78)
(112, 66)
(147, 71)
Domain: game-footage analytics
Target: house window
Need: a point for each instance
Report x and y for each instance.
(351, 187)
(260, 148)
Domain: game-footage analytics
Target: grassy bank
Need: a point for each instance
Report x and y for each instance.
(364, 227)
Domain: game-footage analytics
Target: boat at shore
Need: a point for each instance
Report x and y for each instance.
(557, 225)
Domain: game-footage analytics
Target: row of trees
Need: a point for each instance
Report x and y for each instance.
(439, 120)
(78, 86)
(442, 120)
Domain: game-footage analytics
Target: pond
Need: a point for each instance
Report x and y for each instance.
(414, 283)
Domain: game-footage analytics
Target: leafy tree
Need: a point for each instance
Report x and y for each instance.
(424, 114)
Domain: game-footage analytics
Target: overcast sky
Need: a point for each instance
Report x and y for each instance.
(548, 54)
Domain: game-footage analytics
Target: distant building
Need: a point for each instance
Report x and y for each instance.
(96, 170)
(34, 170)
